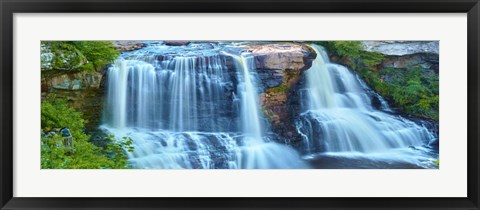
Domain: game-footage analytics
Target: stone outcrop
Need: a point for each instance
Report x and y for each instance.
(281, 56)
(272, 61)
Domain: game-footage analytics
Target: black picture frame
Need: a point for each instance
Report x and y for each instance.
(10, 7)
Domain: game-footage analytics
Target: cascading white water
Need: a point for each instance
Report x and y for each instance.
(339, 118)
(250, 118)
(178, 105)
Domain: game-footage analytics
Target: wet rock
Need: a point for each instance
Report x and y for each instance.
(277, 107)
(232, 50)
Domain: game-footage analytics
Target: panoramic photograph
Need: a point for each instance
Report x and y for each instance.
(239, 104)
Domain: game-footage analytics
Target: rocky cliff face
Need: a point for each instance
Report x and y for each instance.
(400, 48)
(280, 67)
(72, 81)
(405, 54)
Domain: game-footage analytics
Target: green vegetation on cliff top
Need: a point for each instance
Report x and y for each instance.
(77, 55)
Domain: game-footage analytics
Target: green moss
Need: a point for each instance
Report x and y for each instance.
(412, 90)
(282, 88)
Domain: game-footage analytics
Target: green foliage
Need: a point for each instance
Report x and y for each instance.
(83, 154)
(77, 55)
(57, 114)
(61, 55)
(371, 58)
(98, 53)
(116, 150)
(282, 88)
(353, 50)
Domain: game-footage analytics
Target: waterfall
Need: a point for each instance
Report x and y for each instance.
(197, 107)
(338, 117)
(179, 106)
(250, 118)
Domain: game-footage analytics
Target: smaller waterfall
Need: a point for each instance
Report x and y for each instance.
(339, 118)
(250, 117)
(118, 93)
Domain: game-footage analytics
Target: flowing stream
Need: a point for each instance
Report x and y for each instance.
(197, 107)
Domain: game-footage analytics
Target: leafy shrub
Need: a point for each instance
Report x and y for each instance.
(83, 154)
(98, 53)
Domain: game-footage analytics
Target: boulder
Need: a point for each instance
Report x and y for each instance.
(123, 46)
(281, 56)
(176, 42)
(273, 60)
